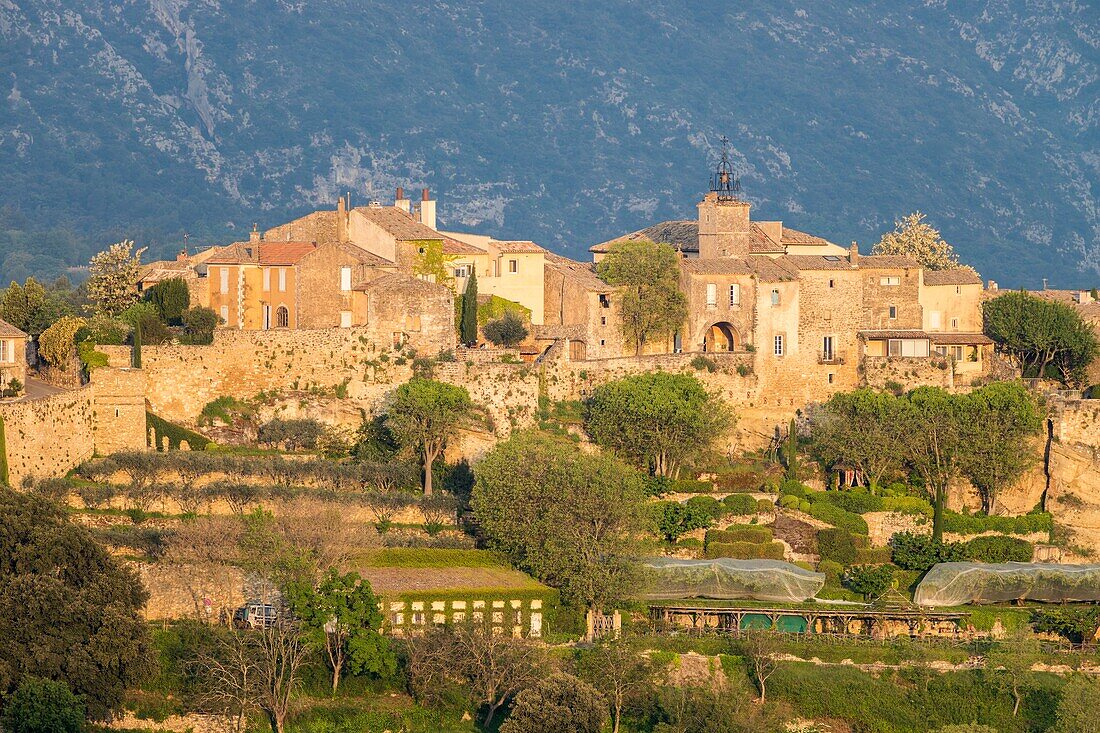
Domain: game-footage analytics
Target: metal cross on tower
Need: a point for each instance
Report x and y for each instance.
(724, 182)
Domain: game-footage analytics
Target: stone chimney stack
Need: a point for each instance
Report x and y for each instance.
(427, 209)
(401, 202)
(341, 220)
(182, 256)
(853, 256)
(254, 235)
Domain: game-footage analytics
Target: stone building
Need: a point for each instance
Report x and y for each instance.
(13, 354)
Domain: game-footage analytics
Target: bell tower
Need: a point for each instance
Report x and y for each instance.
(723, 214)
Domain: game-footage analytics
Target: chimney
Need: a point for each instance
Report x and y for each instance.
(341, 220)
(401, 202)
(427, 209)
(1044, 283)
(992, 285)
(853, 256)
(254, 235)
(182, 256)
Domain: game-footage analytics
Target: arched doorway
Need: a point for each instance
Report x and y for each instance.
(282, 317)
(721, 337)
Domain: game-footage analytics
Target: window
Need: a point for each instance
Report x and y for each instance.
(779, 345)
(954, 324)
(603, 320)
(224, 313)
(605, 300)
(282, 316)
(267, 278)
(832, 284)
(462, 270)
(893, 312)
(957, 353)
(827, 348)
(282, 279)
(735, 295)
(224, 275)
(513, 265)
(830, 377)
(712, 295)
(775, 296)
(5, 351)
(345, 279)
(345, 319)
(602, 342)
(907, 347)
(935, 320)
(889, 281)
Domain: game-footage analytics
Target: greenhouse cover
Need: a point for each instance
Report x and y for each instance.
(957, 583)
(725, 579)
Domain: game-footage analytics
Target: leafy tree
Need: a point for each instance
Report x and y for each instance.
(1009, 662)
(424, 415)
(1000, 421)
(863, 429)
(30, 307)
(657, 420)
(56, 342)
(114, 274)
(916, 238)
(870, 581)
(198, 325)
(1076, 623)
(171, 298)
(1078, 705)
(675, 519)
(558, 703)
(651, 304)
(1038, 333)
(68, 610)
(616, 669)
(467, 327)
(341, 615)
(508, 330)
(936, 444)
(567, 517)
(469, 659)
(760, 649)
(920, 552)
(43, 706)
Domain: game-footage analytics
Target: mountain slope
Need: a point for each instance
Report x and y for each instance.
(563, 123)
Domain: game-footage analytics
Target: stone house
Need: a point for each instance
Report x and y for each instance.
(13, 354)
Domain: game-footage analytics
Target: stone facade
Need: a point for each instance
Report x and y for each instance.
(119, 416)
(51, 435)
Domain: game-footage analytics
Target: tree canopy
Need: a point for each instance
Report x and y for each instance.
(657, 420)
(424, 415)
(560, 702)
(567, 517)
(648, 277)
(864, 429)
(68, 611)
(914, 237)
(1038, 333)
(31, 307)
(171, 298)
(114, 273)
(508, 330)
(467, 318)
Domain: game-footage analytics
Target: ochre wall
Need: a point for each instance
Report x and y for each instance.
(49, 436)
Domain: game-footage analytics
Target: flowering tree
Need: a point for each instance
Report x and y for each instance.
(114, 273)
(914, 237)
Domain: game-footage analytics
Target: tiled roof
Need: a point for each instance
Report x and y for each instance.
(764, 268)
(816, 262)
(913, 333)
(9, 331)
(681, 234)
(365, 257)
(517, 246)
(760, 242)
(319, 226)
(960, 338)
(401, 225)
(797, 238)
(452, 246)
(580, 273)
(886, 262)
(262, 253)
(954, 276)
(396, 281)
(558, 331)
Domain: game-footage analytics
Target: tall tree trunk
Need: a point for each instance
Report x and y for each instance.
(937, 514)
(428, 458)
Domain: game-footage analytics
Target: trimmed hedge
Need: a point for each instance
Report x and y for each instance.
(907, 505)
(873, 555)
(977, 524)
(838, 517)
(164, 429)
(692, 486)
(706, 504)
(999, 548)
(745, 550)
(741, 504)
(747, 533)
(836, 545)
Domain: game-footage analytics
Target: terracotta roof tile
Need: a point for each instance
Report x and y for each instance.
(797, 238)
(9, 331)
(452, 246)
(886, 262)
(681, 234)
(960, 338)
(262, 253)
(954, 276)
(816, 262)
(912, 333)
(582, 274)
(398, 223)
(517, 246)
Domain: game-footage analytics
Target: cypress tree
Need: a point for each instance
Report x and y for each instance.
(468, 323)
(791, 451)
(135, 359)
(3, 455)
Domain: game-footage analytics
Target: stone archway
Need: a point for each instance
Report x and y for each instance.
(721, 336)
(282, 317)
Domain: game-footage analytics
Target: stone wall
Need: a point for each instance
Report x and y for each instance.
(1076, 422)
(119, 401)
(908, 372)
(207, 592)
(49, 436)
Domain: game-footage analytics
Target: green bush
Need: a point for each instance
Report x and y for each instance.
(795, 488)
(294, 434)
(170, 298)
(690, 543)
(741, 504)
(838, 517)
(907, 505)
(832, 570)
(198, 325)
(804, 505)
(979, 523)
(707, 504)
(43, 706)
(999, 548)
(870, 581)
(692, 486)
(789, 501)
(673, 519)
(225, 409)
(763, 506)
(703, 364)
(836, 545)
(918, 552)
(747, 533)
(852, 501)
(1076, 623)
(873, 555)
(745, 550)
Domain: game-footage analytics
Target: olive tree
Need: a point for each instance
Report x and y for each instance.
(424, 415)
(863, 429)
(647, 275)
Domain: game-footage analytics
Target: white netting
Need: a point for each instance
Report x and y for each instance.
(725, 579)
(957, 583)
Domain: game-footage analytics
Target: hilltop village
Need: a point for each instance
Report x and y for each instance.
(420, 479)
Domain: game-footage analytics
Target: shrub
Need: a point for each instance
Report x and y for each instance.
(918, 552)
(508, 330)
(658, 485)
(853, 501)
(55, 345)
(873, 555)
(692, 486)
(977, 524)
(96, 496)
(43, 706)
(105, 330)
(907, 505)
(1076, 623)
(690, 543)
(789, 501)
(89, 357)
(674, 519)
(999, 549)
(764, 506)
(199, 325)
(745, 550)
(225, 409)
(294, 434)
(747, 533)
(832, 570)
(741, 504)
(836, 545)
(708, 504)
(739, 481)
(795, 488)
(837, 517)
(704, 364)
(170, 298)
(870, 581)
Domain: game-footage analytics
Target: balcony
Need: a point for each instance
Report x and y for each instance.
(830, 357)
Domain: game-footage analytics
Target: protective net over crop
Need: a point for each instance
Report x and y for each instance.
(956, 583)
(760, 580)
